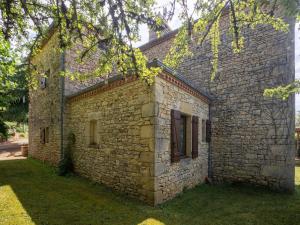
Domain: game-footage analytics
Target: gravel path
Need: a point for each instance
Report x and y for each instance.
(12, 149)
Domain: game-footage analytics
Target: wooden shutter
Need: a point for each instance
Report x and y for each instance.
(47, 135)
(208, 131)
(93, 127)
(42, 135)
(175, 124)
(195, 128)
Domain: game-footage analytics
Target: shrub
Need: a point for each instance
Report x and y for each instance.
(65, 165)
(3, 130)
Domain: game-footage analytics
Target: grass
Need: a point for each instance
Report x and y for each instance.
(31, 193)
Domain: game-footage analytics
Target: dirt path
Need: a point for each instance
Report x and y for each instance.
(12, 149)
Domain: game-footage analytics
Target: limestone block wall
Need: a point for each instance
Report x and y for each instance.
(44, 105)
(124, 155)
(86, 66)
(252, 136)
(158, 48)
(172, 178)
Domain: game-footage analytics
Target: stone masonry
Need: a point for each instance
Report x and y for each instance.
(172, 178)
(132, 154)
(252, 136)
(45, 104)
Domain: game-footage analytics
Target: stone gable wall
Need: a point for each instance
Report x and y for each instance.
(86, 66)
(172, 178)
(44, 105)
(124, 157)
(252, 136)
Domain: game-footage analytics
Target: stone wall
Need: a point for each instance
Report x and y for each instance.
(252, 138)
(44, 104)
(124, 156)
(172, 178)
(132, 154)
(84, 67)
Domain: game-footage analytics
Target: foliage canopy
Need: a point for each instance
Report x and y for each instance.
(112, 27)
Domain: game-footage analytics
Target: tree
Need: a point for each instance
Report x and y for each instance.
(15, 107)
(13, 89)
(112, 26)
(7, 71)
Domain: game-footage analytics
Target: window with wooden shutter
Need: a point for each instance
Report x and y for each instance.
(203, 130)
(208, 131)
(93, 132)
(182, 142)
(42, 136)
(195, 125)
(47, 135)
(175, 134)
(43, 80)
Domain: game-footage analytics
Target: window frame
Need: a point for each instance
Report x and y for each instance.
(93, 133)
(203, 131)
(184, 153)
(44, 79)
(176, 120)
(44, 135)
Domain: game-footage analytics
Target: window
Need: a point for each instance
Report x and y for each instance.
(206, 131)
(184, 136)
(47, 135)
(44, 78)
(203, 130)
(93, 132)
(44, 135)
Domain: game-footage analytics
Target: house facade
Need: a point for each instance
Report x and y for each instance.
(152, 142)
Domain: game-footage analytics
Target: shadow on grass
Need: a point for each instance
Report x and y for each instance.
(39, 196)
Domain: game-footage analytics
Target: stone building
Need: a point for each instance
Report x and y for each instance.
(151, 142)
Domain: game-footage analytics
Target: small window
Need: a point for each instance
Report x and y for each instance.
(203, 130)
(47, 135)
(93, 132)
(44, 135)
(43, 80)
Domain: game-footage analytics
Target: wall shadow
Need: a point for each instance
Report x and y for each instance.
(50, 199)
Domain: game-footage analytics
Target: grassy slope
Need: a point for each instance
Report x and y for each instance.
(31, 193)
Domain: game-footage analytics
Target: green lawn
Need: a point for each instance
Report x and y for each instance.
(31, 193)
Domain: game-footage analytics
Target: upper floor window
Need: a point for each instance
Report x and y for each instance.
(44, 79)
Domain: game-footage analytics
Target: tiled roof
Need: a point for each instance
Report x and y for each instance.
(119, 80)
(181, 77)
